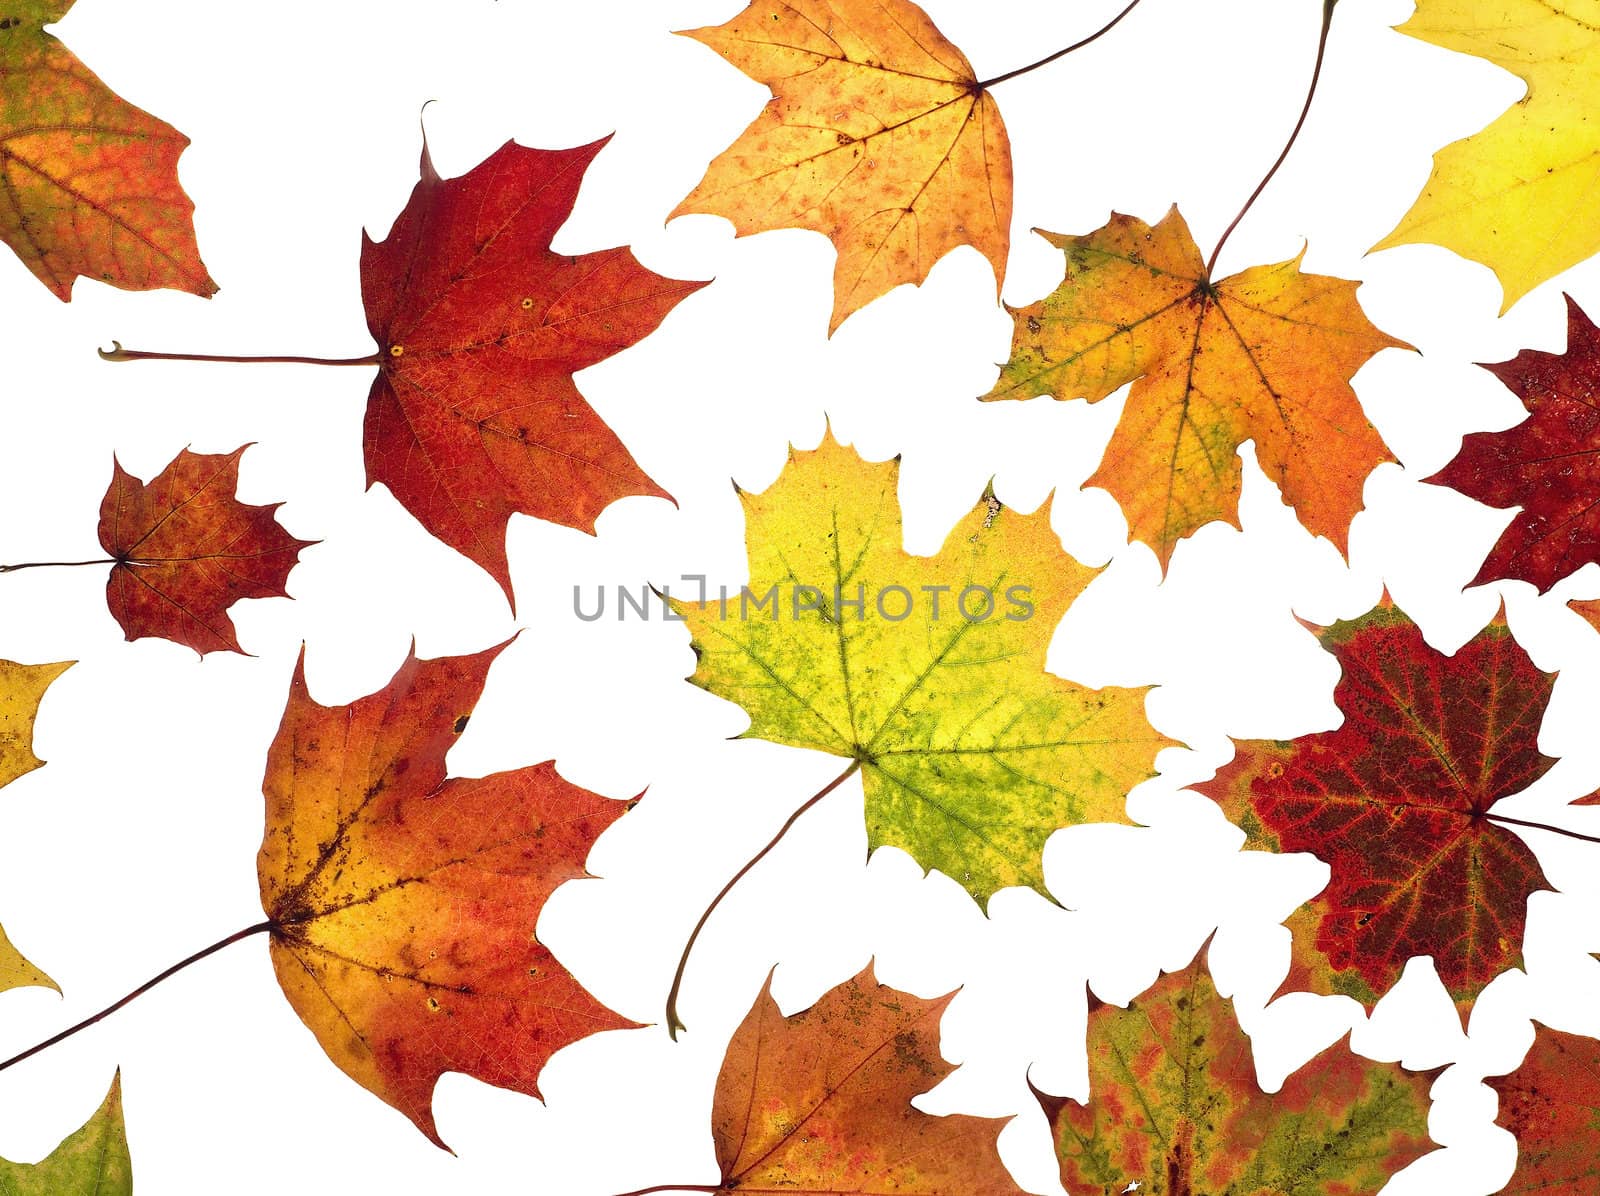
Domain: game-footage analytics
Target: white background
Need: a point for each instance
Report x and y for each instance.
(136, 844)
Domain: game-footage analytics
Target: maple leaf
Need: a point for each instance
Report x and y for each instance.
(879, 136)
(17, 972)
(971, 754)
(186, 549)
(1519, 195)
(1398, 801)
(1174, 1107)
(1264, 355)
(1549, 1103)
(820, 1102)
(474, 414)
(1549, 464)
(22, 688)
(90, 182)
(94, 1161)
(403, 904)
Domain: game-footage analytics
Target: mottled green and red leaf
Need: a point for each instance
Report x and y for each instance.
(1175, 1109)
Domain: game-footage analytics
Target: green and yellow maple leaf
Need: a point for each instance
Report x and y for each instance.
(94, 1161)
(1520, 195)
(970, 753)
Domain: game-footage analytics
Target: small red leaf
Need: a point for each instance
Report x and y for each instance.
(187, 549)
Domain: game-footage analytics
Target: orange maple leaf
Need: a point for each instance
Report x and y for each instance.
(186, 549)
(91, 182)
(820, 1102)
(879, 136)
(403, 904)
(1264, 355)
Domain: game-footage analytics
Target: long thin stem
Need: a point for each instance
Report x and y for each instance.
(235, 937)
(673, 1024)
(1540, 826)
(1316, 74)
(1062, 53)
(673, 1188)
(104, 560)
(118, 353)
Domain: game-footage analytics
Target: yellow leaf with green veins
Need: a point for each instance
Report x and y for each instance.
(929, 671)
(92, 1162)
(1522, 196)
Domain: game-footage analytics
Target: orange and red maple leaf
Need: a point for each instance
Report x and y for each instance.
(474, 415)
(403, 903)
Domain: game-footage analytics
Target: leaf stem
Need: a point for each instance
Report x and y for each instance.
(1311, 91)
(1540, 826)
(673, 1188)
(104, 560)
(1062, 53)
(118, 353)
(235, 937)
(673, 1024)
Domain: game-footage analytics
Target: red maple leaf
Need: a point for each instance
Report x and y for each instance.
(186, 549)
(1549, 464)
(1398, 801)
(474, 414)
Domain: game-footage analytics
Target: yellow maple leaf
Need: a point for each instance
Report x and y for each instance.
(16, 971)
(22, 688)
(1521, 195)
(929, 672)
(1264, 355)
(878, 136)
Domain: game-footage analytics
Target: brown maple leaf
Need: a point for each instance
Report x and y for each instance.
(1549, 1103)
(879, 136)
(403, 903)
(185, 549)
(1264, 355)
(88, 183)
(820, 1102)
(474, 415)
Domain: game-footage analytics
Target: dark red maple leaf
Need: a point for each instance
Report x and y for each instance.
(186, 549)
(1398, 801)
(474, 414)
(1549, 464)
